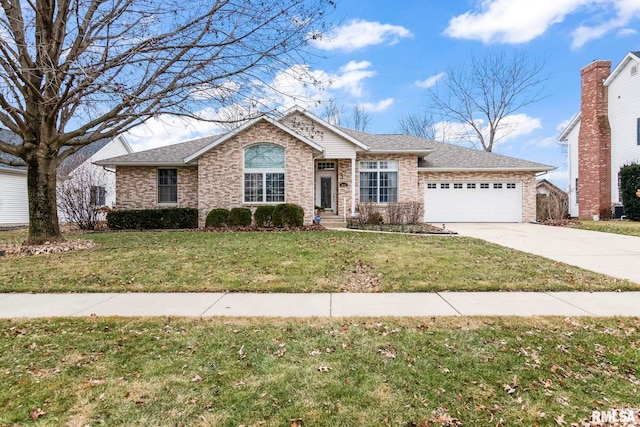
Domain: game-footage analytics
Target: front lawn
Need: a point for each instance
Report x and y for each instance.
(413, 372)
(291, 262)
(630, 228)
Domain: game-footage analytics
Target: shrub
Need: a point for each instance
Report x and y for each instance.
(375, 218)
(288, 215)
(629, 185)
(149, 219)
(264, 216)
(217, 218)
(239, 217)
(414, 213)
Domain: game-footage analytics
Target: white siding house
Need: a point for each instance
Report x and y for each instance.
(13, 196)
(14, 208)
(624, 118)
(622, 106)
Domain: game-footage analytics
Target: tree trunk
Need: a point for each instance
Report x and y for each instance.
(43, 212)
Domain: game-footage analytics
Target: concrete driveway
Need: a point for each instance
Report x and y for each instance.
(611, 254)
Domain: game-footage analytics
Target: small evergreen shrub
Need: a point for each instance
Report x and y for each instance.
(288, 215)
(629, 185)
(151, 219)
(239, 217)
(217, 218)
(264, 216)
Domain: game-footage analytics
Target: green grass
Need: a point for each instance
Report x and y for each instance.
(292, 262)
(629, 228)
(418, 372)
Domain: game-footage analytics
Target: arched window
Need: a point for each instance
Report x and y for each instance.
(264, 174)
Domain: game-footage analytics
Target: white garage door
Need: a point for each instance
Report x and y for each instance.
(473, 202)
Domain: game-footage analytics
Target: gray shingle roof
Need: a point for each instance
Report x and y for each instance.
(389, 142)
(438, 155)
(70, 162)
(443, 155)
(168, 155)
(450, 156)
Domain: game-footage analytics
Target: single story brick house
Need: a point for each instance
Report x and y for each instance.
(302, 159)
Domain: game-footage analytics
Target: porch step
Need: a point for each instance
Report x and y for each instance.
(330, 220)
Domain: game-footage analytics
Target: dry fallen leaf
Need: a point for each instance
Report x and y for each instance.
(37, 413)
(196, 378)
(560, 420)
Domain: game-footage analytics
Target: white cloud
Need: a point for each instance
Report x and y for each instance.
(559, 177)
(377, 107)
(511, 127)
(166, 130)
(431, 81)
(626, 32)
(511, 21)
(350, 77)
(625, 11)
(293, 86)
(358, 33)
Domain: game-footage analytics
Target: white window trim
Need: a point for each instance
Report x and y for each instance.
(158, 202)
(395, 168)
(264, 172)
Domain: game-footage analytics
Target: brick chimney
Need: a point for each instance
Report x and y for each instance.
(594, 144)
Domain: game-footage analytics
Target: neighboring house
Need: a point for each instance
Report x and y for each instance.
(14, 207)
(547, 188)
(552, 202)
(302, 159)
(603, 137)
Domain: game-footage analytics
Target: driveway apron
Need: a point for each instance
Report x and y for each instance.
(611, 254)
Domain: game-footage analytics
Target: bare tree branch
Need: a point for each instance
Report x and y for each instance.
(483, 93)
(76, 71)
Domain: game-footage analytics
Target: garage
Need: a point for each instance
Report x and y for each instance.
(473, 201)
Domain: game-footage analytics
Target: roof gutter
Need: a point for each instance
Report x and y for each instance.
(141, 164)
(505, 169)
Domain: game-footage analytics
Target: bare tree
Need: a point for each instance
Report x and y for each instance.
(333, 113)
(418, 124)
(76, 71)
(361, 118)
(482, 94)
(81, 196)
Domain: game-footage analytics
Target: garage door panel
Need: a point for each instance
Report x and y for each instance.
(474, 204)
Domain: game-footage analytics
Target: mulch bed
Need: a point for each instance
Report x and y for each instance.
(47, 247)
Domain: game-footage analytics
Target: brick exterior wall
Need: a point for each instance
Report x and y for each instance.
(528, 185)
(221, 175)
(137, 188)
(344, 192)
(594, 144)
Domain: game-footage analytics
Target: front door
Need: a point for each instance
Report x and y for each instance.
(326, 190)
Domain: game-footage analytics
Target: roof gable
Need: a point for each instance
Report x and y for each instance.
(245, 126)
(335, 129)
(631, 56)
(572, 124)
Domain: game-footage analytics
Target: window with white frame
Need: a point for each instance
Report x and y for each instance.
(379, 181)
(167, 185)
(264, 174)
(326, 166)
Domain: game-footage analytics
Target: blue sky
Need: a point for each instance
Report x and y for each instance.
(381, 54)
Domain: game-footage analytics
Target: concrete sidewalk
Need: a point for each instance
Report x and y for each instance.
(322, 305)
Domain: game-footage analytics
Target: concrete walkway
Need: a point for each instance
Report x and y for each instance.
(322, 305)
(611, 254)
